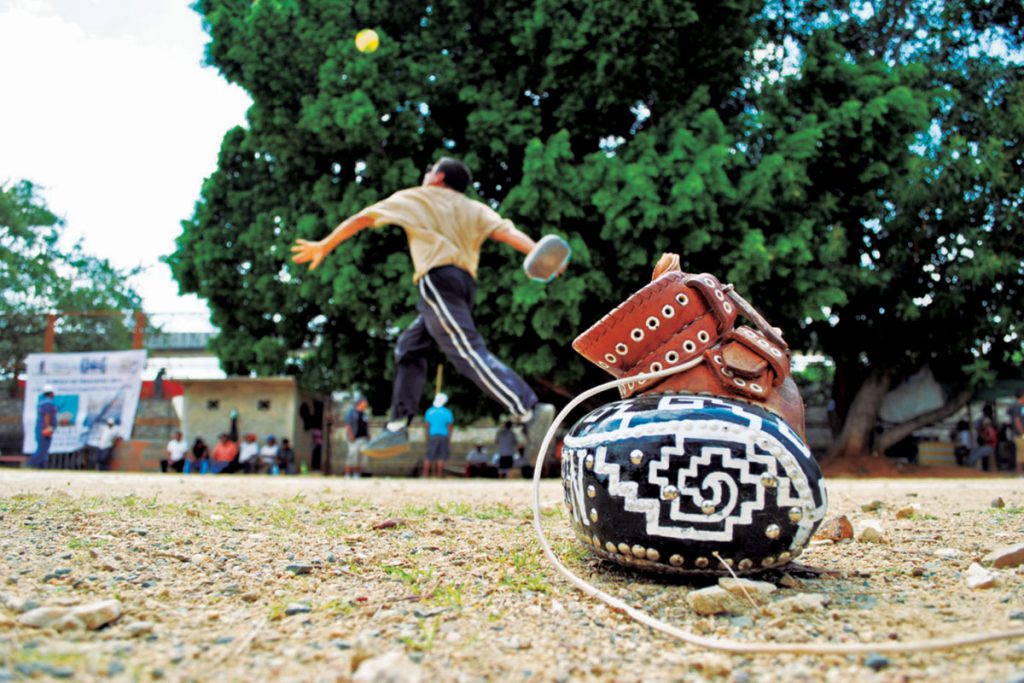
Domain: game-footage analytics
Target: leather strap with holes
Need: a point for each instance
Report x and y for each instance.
(679, 317)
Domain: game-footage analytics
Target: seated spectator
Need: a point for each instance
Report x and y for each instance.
(248, 454)
(987, 440)
(200, 456)
(268, 455)
(478, 463)
(225, 455)
(176, 449)
(522, 463)
(286, 458)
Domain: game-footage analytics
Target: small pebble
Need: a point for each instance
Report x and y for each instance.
(57, 671)
(907, 512)
(980, 578)
(300, 568)
(871, 532)
(998, 503)
(1007, 556)
(876, 662)
(297, 608)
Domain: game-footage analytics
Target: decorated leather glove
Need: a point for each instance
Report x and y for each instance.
(680, 317)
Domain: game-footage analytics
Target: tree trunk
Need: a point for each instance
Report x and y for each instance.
(855, 437)
(894, 435)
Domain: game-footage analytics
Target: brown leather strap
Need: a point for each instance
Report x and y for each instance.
(679, 317)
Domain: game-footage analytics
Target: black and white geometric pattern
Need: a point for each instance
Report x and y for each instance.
(681, 477)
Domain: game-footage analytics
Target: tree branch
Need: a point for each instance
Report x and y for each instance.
(894, 435)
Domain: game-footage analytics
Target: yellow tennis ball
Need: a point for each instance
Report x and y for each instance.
(367, 40)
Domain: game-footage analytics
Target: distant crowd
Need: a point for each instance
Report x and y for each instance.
(509, 452)
(247, 456)
(994, 444)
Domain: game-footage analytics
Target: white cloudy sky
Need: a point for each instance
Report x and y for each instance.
(107, 106)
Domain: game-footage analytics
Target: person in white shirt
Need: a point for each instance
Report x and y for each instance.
(176, 450)
(248, 454)
(109, 436)
(268, 455)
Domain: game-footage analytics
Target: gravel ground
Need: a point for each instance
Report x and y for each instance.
(306, 578)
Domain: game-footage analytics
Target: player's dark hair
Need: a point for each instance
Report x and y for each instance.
(456, 173)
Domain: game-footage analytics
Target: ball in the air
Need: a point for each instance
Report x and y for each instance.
(367, 40)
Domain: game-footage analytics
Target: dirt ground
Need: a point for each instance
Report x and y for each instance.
(306, 578)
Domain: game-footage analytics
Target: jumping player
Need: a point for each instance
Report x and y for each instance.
(445, 229)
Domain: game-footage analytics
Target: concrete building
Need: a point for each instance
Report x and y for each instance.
(265, 405)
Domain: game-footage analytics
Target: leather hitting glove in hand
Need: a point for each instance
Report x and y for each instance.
(680, 317)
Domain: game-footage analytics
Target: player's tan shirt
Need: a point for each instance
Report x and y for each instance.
(444, 227)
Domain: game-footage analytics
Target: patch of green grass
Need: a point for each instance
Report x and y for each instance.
(19, 503)
(413, 511)
(424, 642)
(525, 572)
(1007, 512)
(461, 509)
(923, 516)
(44, 657)
(337, 607)
(83, 543)
(416, 578)
(448, 595)
(570, 550)
(135, 506)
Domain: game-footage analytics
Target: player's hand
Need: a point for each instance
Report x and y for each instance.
(305, 251)
(47, 432)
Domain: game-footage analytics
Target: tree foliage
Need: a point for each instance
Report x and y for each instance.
(854, 168)
(40, 276)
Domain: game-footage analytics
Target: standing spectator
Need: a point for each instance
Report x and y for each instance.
(109, 436)
(158, 384)
(224, 455)
(248, 454)
(318, 448)
(506, 444)
(46, 423)
(478, 463)
(440, 424)
(176, 449)
(269, 454)
(1017, 423)
(200, 456)
(286, 458)
(357, 432)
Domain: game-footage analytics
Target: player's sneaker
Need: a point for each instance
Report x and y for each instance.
(537, 426)
(388, 443)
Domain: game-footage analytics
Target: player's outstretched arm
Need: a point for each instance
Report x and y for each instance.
(514, 238)
(314, 252)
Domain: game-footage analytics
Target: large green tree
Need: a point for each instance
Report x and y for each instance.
(788, 148)
(39, 276)
(932, 263)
